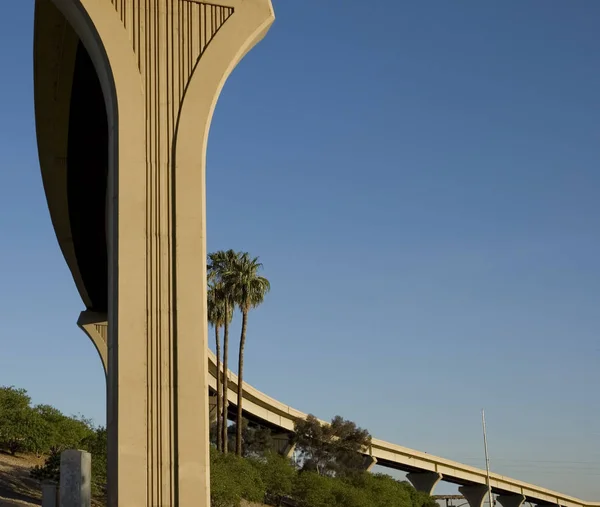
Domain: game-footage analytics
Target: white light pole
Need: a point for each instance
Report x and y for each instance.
(487, 460)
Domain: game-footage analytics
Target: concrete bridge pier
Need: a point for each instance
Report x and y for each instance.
(369, 463)
(282, 444)
(474, 494)
(424, 481)
(124, 96)
(511, 500)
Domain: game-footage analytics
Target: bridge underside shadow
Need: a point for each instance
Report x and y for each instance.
(73, 137)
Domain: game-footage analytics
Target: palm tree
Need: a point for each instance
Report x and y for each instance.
(219, 263)
(218, 316)
(248, 290)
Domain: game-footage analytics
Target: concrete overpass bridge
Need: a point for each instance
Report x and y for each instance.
(424, 470)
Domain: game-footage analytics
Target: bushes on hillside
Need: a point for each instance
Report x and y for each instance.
(39, 429)
(360, 490)
(328, 472)
(233, 478)
(273, 478)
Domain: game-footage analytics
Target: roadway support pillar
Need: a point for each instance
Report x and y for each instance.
(511, 500)
(474, 494)
(212, 409)
(283, 445)
(424, 481)
(369, 463)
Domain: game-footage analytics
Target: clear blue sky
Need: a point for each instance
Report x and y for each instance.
(421, 180)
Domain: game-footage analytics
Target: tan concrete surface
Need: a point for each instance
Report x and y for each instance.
(95, 326)
(161, 67)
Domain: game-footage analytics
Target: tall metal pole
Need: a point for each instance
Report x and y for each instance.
(487, 460)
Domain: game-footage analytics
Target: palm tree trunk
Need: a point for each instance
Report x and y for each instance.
(219, 413)
(238, 448)
(225, 378)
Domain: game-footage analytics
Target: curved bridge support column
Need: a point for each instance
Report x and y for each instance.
(160, 68)
(511, 500)
(424, 481)
(474, 494)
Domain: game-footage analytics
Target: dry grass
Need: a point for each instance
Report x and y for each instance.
(17, 489)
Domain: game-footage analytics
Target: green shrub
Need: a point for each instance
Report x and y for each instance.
(233, 478)
(313, 490)
(277, 474)
(50, 470)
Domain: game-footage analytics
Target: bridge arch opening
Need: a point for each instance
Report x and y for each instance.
(76, 124)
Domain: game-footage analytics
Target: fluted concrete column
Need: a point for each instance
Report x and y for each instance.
(160, 67)
(424, 481)
(75, 479)
(474, 494)
(511, 500)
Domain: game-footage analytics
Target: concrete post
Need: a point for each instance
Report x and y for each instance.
(49, 494)
(75, 479)
(511, 500)
(474, 494)
(424, 481)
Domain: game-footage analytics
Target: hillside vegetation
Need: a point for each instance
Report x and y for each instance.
(327, 469)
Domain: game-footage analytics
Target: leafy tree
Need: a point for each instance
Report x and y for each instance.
(18, 429)
(219, 263)
(62, 432)
(248, 289)
(278, 476)
(219, 315)
(332, 449)
(256, 439)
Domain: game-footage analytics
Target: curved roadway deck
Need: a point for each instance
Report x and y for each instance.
(260, 407)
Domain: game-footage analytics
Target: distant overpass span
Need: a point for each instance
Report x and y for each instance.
(424, 470)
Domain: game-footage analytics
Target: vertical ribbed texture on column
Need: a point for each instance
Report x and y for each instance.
(168, 38)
